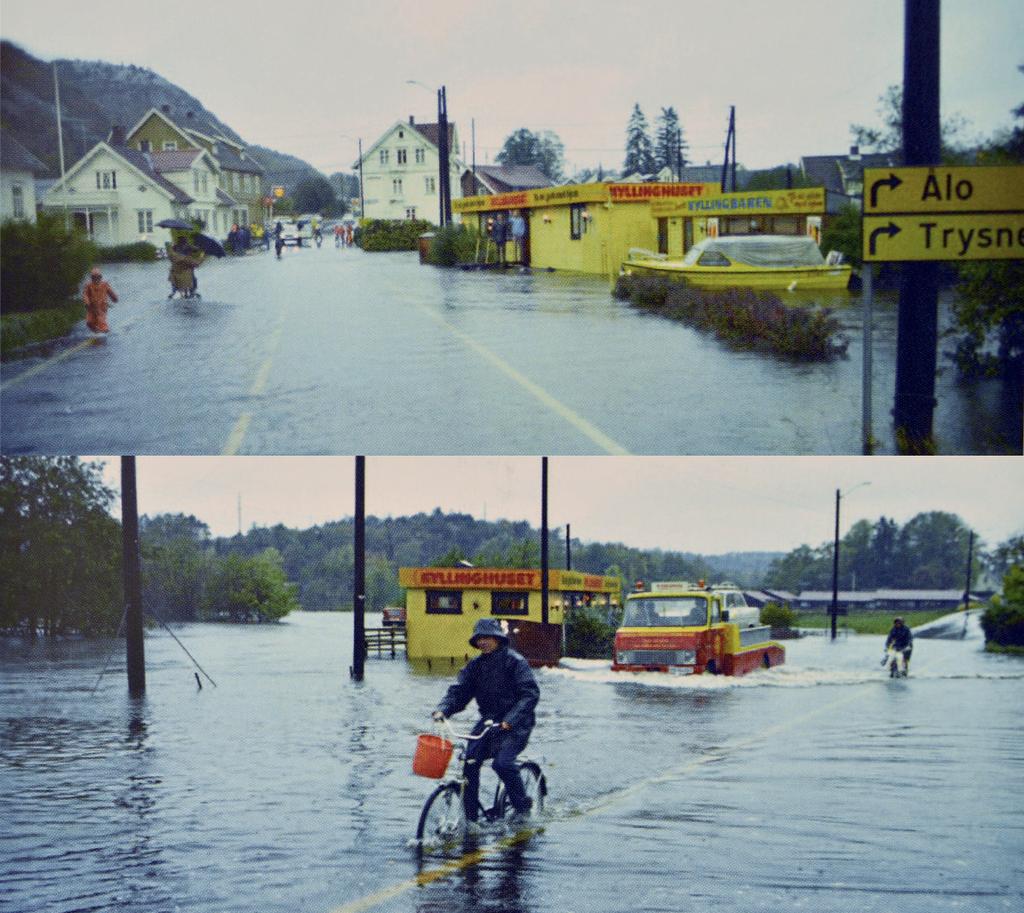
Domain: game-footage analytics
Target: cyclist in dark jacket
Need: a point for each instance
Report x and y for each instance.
(901, 639)
(502, 683)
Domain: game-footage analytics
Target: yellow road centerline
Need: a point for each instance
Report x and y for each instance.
(472, 858)
(259, 384)
(606, 443)
(56, 359)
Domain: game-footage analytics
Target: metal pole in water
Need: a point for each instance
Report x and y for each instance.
(835, 571)
(967, 585)
(544, 540)
(359, 575)
(132, 578)
(868, 318)
(568, 548)
(917, 326)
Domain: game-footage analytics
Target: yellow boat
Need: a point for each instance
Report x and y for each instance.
(750, 261)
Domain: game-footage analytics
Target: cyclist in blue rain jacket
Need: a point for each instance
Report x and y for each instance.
(502, 683)
(901, 639)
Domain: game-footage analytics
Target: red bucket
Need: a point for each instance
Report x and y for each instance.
(432, 756)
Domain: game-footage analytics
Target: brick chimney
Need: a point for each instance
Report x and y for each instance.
(166, 109)
(412, 121)
(117, 136)
(854, 153)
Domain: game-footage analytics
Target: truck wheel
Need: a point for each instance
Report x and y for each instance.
(767, 661)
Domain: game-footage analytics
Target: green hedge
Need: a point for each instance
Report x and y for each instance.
(588, 636)
(778, 616)
(392, 234)
(20, 330)
(42, 264)
(454, 244)
(740, 317)
(139, 252)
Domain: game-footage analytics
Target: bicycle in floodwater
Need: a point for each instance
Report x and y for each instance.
(443, 819)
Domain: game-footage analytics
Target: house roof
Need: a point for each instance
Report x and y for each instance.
(143, 162)
(432, 133)
(15, 157)
(173, 159)
(226, 198)
(836, 172)
(883, 595)
(226, 153)
(505, 178)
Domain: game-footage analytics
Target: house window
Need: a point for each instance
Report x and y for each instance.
(18, 201)
(204, 182)
(106, 180)
(430, 184)
(444, 602)
(400, 156)
(410, 212)
(170, 145)
(144, 145)
(421, 156)
(195, 182)
(510, 603)
(577, 224)
(396, 187)
(145, 221)
(234, 181)
(383, 156)
(256, 183)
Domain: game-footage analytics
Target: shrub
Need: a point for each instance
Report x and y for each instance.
(1003, 620)
(20, 330)
(777, 615)
(453, 244)
(741, 317)
(41, 264)
(138, 252)
(392, 234)
(588, 636)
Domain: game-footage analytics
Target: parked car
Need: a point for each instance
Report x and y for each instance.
(289, 230)
(393, 617)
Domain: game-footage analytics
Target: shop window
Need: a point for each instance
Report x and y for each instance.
(785, 225)
(444, 602)
(511, 603)
(577, 224)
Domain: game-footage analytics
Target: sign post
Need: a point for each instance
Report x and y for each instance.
(928, 213)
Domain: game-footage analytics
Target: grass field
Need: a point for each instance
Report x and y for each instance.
(866, 622)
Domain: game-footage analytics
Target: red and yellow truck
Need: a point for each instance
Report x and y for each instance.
(687, 628)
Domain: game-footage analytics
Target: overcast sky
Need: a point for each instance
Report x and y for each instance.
(708, 505)
(309, 78)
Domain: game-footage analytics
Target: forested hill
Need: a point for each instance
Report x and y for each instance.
(319, 560)
(96, 96)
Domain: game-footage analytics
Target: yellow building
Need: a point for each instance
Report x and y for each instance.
(444, 603)
(590, 228)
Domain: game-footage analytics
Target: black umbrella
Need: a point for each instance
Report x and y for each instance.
(208, 245)
(176, 223)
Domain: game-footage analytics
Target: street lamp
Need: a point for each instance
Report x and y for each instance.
(443, 153)
(835, 557)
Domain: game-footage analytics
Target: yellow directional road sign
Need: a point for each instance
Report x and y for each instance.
(986, 236)
(944, 189)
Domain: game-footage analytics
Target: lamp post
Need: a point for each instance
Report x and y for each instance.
(835, 557)
(362, 200)
(443, 154)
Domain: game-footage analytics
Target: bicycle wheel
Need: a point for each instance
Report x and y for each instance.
(443, 818)
(535, 785)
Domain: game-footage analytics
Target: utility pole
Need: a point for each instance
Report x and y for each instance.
(970, 561)
(730, 146)
(917, 323)
(568, 549)
(60, 144)
(359, 575)
(362, 199)
(544, 540)
(835, 571)
(444, 158)
(132, 578)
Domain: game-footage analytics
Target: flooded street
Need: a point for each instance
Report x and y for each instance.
(820, 785)
(337, 351)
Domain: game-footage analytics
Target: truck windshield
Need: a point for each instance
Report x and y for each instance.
(665, 612)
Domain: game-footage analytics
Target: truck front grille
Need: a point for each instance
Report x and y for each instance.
(656, 657)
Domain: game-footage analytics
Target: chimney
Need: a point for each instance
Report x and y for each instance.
(188, 115)
(412, 122)
(166, 109)
(117, 136)
(854, 153)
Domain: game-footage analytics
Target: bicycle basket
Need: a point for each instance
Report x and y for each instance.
(432, 756)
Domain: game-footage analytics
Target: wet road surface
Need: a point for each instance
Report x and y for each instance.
(820, 785)
(337, 351)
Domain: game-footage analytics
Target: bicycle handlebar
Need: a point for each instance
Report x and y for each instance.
(446, 724)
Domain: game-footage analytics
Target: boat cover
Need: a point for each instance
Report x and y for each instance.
(760, 250)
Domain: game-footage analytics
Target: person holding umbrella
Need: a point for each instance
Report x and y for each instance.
(184, 257)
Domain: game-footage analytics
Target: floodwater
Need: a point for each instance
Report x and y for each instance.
(820, 785)
(337, 351)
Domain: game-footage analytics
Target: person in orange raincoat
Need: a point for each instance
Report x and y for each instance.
(96, 293)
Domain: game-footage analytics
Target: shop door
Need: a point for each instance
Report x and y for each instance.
(687, 234)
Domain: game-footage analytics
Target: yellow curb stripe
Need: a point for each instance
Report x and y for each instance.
(56, 359)
(234, 441)
(606, 443)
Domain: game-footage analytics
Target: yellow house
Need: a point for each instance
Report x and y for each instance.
(591, 228)
(444, 603)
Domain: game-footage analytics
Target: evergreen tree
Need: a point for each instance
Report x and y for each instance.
(639, 151)
(669, 145)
